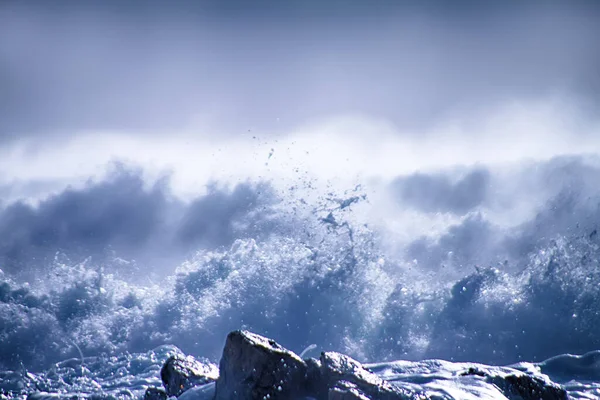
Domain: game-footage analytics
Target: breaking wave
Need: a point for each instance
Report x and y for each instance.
(319, 270)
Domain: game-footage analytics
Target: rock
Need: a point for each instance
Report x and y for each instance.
(315, 385)
(346, 378)
(339, 367)
(346, 391)
(521, 386)
(532, 388)
(204, 392)
(179, 373)
(254, 367)
(153, 393)
(473, 371)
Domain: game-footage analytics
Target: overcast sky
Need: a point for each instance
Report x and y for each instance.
(235, 65)
(384, 87)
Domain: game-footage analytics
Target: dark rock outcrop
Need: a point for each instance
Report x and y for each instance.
(179, 373)
(254, 367)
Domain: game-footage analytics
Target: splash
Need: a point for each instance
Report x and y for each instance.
(320, 269)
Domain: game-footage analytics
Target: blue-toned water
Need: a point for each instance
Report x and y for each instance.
(483, 265)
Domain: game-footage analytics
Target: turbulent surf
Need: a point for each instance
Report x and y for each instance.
(392, 275)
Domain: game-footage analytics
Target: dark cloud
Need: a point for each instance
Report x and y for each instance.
(273, 65)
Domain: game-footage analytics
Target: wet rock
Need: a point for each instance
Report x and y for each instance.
(255, 367)
(346, 378)
(153, 393)
(339, 367)
(346, 391)
(179, 373)
(532, 388)
(204, 392)
(521, 386)
(473, 371)
(314, 383)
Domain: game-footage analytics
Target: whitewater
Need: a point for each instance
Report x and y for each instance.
(420, 278)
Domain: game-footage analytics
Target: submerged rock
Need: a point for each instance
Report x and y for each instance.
(180, 373)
